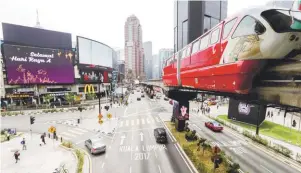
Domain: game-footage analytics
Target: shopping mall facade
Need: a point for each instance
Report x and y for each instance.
(49, 64)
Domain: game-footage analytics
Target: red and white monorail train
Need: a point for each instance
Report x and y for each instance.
(229, 56)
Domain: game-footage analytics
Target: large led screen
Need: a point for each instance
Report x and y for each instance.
(22, 35)
(30, 65)
(94, 75)
(247, 113)
(93, 52)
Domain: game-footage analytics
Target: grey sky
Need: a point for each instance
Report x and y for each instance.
(103, 20)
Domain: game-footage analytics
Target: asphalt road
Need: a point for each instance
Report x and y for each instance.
(250, 158)
(133, 148)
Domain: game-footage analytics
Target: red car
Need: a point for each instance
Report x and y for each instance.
(213, 125)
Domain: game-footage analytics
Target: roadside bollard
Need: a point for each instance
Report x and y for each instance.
(48, 135)
(61, 139)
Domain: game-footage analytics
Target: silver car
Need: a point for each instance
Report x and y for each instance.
(95, 145)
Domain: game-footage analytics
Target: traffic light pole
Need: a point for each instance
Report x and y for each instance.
(99, 107)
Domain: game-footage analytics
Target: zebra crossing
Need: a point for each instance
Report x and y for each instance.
(72, 133)
(138, 121)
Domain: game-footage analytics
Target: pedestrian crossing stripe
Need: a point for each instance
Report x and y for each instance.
(72, 133)
(68, 134)
(75, 132)
(138, 121)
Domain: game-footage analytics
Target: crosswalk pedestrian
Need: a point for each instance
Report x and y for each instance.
(72, 133)
(138, 121)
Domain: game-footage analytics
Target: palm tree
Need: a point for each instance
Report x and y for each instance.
(70, 98)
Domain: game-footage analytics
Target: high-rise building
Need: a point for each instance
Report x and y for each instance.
(163, 55)
(120, 54)
(155, 67)
(133, 49)
(282, 4)
(2, 88)
(148, 59)
(192, 18)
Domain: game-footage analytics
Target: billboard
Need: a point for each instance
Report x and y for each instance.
(93, 52)
(31, 65)
(22, 35)
(93, 75)
(246, 113)
(180, 111)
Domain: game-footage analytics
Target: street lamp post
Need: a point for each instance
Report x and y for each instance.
(99, 82)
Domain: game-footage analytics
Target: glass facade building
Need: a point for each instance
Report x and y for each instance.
(192, 18)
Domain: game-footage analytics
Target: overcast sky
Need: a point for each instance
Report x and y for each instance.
(103, 20)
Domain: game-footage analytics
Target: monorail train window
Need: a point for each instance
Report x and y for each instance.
(281, 20)
(183, 54)
(188, 51)
(204, 42)
(245, 27)
(228, 28)
(215, 36)
(195, 46)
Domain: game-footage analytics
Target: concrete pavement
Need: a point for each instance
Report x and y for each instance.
(35, 159)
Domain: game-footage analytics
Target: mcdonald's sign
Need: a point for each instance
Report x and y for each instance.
(90, 88)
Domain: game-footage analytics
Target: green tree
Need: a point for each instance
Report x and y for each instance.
(47, 98)
(70, 98)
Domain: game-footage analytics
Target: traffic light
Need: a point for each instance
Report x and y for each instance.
(32, 119)
(100, 121)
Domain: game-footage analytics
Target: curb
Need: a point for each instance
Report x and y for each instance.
(89, 158)
(271, 152)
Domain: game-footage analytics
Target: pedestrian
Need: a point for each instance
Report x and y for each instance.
(268, 115)
(17, 154)
(23, 144)
(43, 138)
(272, 114)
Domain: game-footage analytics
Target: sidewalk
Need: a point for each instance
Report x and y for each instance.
(36, 158)
(223, 110)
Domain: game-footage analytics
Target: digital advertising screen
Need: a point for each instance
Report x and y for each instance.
(93, 52)
(247, 113)
(94, 75)
(31, 65)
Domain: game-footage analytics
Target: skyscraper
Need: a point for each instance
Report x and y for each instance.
(163, 55)
(192, 18)
(148, 59)
(133, 49)
(155, 67)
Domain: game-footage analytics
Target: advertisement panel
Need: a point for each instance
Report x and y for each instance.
(180, 112)
(94, 75)
(30, 65)
(246, 113)
(31, 36)
(94, 52)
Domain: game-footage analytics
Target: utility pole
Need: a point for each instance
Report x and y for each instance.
(257, 120)
(99, 82)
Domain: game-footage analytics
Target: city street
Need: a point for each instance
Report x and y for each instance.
(250, 158)
(133, 147)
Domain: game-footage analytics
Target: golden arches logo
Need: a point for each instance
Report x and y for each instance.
(90, 88)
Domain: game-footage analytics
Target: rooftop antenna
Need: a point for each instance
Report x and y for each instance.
(38, 25)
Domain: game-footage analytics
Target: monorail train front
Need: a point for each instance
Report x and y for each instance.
(277, 35)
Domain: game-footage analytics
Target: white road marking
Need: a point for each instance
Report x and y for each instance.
(266, 169)
(122, 139)
(148, 121)
(141, 136)
(130, 169)
(159, 168)
(157, 119)
(127, 123)
(143, 122)
(138, 121)
(103, 164)
(133, 122)
(75, 132)
(79, 142)
(82, 130)
(183, 158)
(197, 127)
(121, 124)
(68, 134)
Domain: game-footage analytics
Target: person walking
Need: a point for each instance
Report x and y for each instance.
(17, 154)
(23, 144)
(43, 138)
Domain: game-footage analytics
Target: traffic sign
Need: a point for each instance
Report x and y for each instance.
(100, 121)
(109, 115)
(51, 129)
